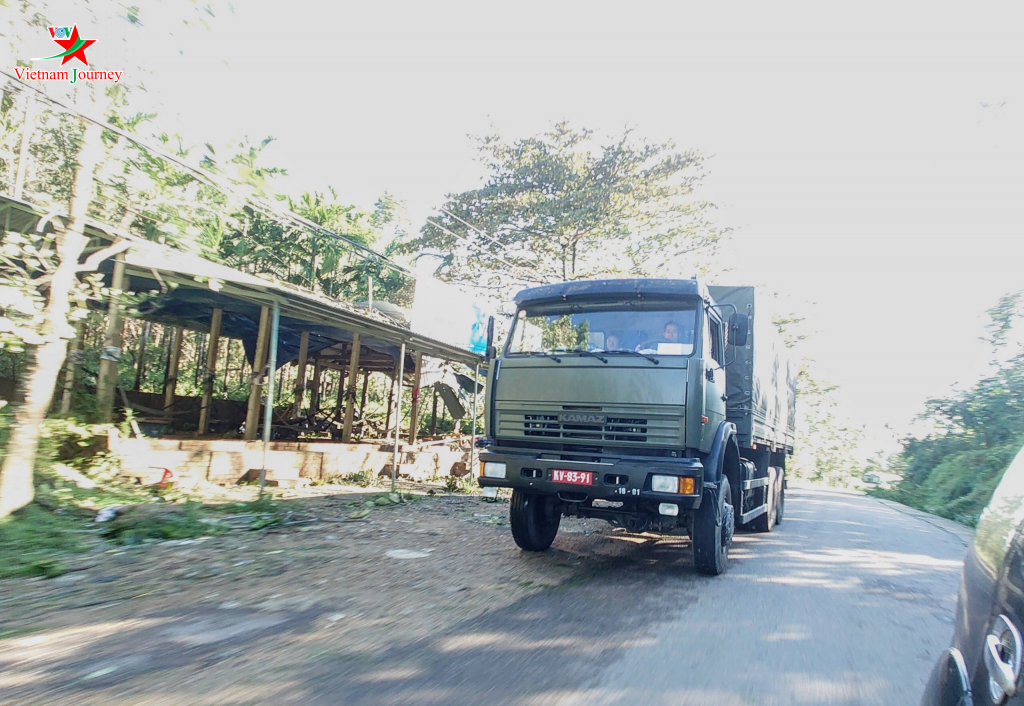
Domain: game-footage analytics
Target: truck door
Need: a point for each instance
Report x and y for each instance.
(714, 373)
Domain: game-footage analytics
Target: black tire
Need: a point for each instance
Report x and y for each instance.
(712, 531)
(780, 506)
(532, 528)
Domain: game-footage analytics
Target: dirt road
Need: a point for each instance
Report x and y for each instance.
(847, 602)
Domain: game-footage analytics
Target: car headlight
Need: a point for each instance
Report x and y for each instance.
(665, 484)
(493, 469)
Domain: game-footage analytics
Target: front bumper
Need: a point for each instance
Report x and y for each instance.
(624, 479)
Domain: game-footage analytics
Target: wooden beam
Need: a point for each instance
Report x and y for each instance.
(300, 374)
(350, 391)
(414, 411)
(106, 383)
(211, 371)
(171, 379)
(252, 413)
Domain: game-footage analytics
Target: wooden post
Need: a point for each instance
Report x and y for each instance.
(200, 357)
(211, 371)
(339, 397)
(106, 384)
(414, 411)
(73, 361)
(227, 362)
(314, 388)
(171, 380)
(391, 401)
(252, 413)
(362, 400)
(300, 374)
(433, 415)
(350, 390)
(140, 361)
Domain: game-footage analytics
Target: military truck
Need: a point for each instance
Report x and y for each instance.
(659, 405)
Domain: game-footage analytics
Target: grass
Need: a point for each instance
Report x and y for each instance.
(37, 542)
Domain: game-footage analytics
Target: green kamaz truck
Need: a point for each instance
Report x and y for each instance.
(659, 405)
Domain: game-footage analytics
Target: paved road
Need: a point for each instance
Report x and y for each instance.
(848, 602)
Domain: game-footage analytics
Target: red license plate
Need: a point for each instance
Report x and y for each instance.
(572, 477)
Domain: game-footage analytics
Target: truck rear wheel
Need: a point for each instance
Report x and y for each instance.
(533, 529)
(781, 505)
(765, 522)
(772, 491)
(712, 531)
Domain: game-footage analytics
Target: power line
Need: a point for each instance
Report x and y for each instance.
(255, 202)
(463, 237)
(474, 228)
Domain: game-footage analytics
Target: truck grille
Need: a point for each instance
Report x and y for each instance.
(592, 427)
(632, 429)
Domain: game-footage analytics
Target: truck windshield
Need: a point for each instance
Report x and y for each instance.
(654, 328)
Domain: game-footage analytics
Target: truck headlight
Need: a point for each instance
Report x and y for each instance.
(493, 469)
(665, 484)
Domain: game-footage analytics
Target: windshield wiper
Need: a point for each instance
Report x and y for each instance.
(642, 355)
(552, 356)
(590, 353)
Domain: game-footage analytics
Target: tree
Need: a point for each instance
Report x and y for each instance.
(40, 274)
(954, 470)
(560, 206)
(46, 351)
(826, 441)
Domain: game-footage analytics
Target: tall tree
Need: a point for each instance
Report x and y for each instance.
(562, 205)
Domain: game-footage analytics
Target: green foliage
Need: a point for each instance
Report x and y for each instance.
(157, 522)
(953, 471)
(558, 206)
(560, 334)
(363, 479)
(455, 484)
(826, 441)
(36, 542)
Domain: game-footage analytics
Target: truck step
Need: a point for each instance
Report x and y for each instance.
(756, 512)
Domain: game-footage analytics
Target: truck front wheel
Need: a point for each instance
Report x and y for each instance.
(712, 531)
(533, 526)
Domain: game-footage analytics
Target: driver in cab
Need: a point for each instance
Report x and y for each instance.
(670, 334)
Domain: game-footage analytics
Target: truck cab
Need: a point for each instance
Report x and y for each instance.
(610, 399)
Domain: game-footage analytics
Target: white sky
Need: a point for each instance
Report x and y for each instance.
(852, 152)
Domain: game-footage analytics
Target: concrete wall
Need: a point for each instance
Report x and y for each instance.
(226, 461)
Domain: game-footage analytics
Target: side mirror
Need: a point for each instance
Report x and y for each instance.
(491, 353)
(738, 326)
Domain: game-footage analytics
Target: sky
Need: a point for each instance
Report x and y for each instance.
(868, 157)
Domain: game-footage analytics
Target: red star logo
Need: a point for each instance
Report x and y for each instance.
(74, 47)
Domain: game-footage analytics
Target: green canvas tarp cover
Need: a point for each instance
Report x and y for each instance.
(761, 380)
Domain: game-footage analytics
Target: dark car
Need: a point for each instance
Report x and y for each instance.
(983, 666)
